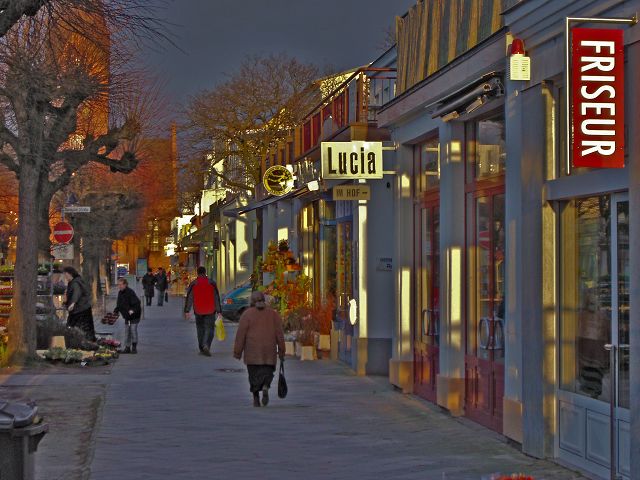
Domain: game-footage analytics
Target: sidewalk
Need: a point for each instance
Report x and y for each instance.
(170, 413)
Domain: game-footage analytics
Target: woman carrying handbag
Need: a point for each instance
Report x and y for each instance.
(260, 338)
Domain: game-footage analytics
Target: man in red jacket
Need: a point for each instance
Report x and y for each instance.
(204, 297)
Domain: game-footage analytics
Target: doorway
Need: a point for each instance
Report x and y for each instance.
(484, 358)
(427, 328)
(593, 394)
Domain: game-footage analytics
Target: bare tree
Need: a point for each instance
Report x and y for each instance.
(57, 87)
(230, 129)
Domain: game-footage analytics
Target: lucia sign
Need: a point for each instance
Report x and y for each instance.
(597, 118)
(351, 160)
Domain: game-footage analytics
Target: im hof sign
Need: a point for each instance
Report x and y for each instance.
(63, 232)
(597, 118)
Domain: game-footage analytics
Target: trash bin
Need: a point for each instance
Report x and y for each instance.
(20, 433)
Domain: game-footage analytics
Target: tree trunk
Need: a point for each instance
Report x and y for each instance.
(22, 322)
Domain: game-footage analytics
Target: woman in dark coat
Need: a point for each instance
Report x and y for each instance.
(148, 283)
(261, 338)
(78, 304)
(129, 307)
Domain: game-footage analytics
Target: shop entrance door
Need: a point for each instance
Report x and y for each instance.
(344, 287)
(594, 364)
(427, 318)
(484, 359)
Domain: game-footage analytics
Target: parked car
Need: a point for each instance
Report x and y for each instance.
(236, 301)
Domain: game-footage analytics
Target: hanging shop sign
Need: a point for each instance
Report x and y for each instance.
(351, 160)
(597, 113)
(352, 192)
(278, 180)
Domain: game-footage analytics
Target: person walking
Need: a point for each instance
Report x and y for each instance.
(129, 307)
(78, 303)
(261, 338)
(161, 285)
(204, 297)
(148, 283)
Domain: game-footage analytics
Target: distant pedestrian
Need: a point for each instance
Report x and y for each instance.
(130, 308)
(204, 297)
(161, 285)
(78, 303)
(148, 284)
(261, 338)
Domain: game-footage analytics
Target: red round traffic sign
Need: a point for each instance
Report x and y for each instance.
(63, 232)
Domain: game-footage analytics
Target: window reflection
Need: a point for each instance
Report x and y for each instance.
(490, 148)
(586, 302)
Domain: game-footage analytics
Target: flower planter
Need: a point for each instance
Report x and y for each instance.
(58, 342)
(324, 342)
(308, 353)
(290, 348)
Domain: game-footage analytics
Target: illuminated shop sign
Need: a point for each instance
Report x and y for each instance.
(597, 114)
(351, 160)
(278, 180)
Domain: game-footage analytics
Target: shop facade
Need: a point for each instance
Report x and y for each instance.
(516, 284)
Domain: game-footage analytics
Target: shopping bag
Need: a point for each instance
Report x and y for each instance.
(220, 333)
(282, 382)
(166, 296)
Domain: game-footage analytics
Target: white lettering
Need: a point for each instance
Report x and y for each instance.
(592, 96)
(598, 107)
(598, 45)
(603, 147)
(604, 64)
(596, 121)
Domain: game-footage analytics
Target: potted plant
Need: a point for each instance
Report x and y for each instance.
(323, 314)
(283, 245)
(307, 337)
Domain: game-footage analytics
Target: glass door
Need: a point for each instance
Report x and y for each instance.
(427, 327)
(594, 335)
(344, 287)
(485, 328)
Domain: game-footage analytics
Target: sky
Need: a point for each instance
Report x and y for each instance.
(216, 35)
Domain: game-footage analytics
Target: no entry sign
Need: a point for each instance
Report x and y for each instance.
(63, 232)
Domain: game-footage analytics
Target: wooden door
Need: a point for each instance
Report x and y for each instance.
(484, 360)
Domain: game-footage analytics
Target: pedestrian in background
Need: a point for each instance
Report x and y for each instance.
(129, 307)
(161, 285)
(148, 284)
(204, 297)
(78, 304)
(261, 338)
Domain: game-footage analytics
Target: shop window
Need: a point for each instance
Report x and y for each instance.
(586, 297)
(429, 166)
(487, 148)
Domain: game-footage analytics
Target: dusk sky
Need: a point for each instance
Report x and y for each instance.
(216, 35)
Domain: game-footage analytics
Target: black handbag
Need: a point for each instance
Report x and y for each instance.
(166, 296)
(282, 382)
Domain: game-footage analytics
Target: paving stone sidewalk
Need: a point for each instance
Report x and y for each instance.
(170, 413)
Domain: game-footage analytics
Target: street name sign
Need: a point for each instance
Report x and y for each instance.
(76, 209)
(63, 232)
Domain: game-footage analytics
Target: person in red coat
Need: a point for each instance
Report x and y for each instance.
(203, 296)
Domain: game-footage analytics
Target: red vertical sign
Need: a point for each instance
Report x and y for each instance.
(597, 118)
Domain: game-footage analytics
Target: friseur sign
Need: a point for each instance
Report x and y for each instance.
(597, 118)
(351, 160)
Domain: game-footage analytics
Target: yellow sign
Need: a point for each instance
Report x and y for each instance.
(352, 192)
(278, 180)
